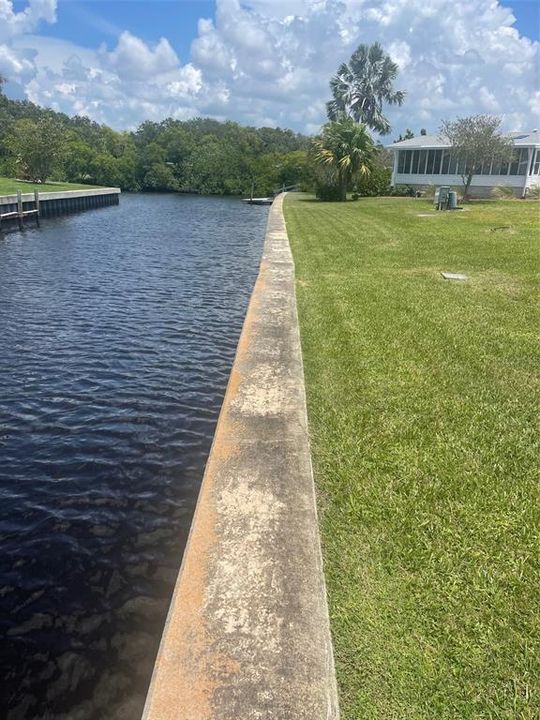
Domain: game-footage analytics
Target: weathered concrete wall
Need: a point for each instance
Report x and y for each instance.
(247, 636)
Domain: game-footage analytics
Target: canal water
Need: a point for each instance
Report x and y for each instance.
(118, 329)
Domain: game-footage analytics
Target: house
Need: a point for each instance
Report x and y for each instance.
(427, 160)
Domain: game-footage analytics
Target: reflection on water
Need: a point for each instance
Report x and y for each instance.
(117, 332)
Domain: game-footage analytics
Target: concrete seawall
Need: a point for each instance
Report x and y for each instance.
(247, 636)
(64, 201)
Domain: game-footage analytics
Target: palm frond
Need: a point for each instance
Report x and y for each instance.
(361, 86)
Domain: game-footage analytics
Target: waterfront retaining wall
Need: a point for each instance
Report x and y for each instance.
(63, 202)
(247, 635)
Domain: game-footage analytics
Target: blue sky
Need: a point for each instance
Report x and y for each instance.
(91, 22)
(527, 14)
(268, 62)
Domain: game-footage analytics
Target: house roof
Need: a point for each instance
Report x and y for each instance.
(422, 141)
(521, 139)
(526, 138)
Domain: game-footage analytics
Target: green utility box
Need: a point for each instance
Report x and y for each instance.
(442, 197)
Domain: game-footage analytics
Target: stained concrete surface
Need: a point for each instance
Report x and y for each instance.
(247, 636)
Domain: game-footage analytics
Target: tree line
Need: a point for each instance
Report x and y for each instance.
(199, 155)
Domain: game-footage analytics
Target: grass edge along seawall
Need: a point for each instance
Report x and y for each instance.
(9, 186)
(422, 403)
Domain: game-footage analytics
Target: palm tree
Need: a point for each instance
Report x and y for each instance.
(362, 85)
(346, 150)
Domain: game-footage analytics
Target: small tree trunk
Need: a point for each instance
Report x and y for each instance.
(467, 184)
(343, 187)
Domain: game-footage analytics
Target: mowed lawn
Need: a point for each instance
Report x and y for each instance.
(9, 186)
(423, 400)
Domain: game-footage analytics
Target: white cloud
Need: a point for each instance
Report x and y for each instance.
(400, 51)
(15, 64)
(535, 104)
(269, 62)
(133, 59)
(14, 23)
(189, 82)
(450, 61)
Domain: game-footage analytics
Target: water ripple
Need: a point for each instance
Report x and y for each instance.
(117, 328)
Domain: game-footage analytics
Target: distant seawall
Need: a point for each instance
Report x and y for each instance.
(62, 202)
(247, 635)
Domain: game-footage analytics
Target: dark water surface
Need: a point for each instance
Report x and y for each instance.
(117, 332)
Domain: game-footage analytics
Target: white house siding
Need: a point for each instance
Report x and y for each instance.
(431, 153)
(481, 185)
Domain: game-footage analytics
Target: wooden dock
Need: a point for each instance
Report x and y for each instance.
(259, 201)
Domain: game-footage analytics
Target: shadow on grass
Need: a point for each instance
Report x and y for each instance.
(337, 203)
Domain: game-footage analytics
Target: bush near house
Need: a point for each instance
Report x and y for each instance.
(329, 193)
(376, 183)
(403, 191)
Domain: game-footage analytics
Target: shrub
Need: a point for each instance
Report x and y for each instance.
(376, 183)
(329, 193)
(402, 191)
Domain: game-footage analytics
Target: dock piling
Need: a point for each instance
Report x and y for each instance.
(36, 200)
(19, 209)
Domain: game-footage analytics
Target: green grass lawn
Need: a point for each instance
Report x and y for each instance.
(9, 186)
(423, 404)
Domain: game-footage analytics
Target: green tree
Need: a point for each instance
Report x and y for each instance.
(160, 177)
(408, 135)
(215, 168)
(269, 172)
(127, 170)
(346, 151)
(384, 157)
(105, 170)
(37, 147)
(177, 143)
(293, 168)
(362, 85)
(474, 140)
(78, 160)
(376, 183)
